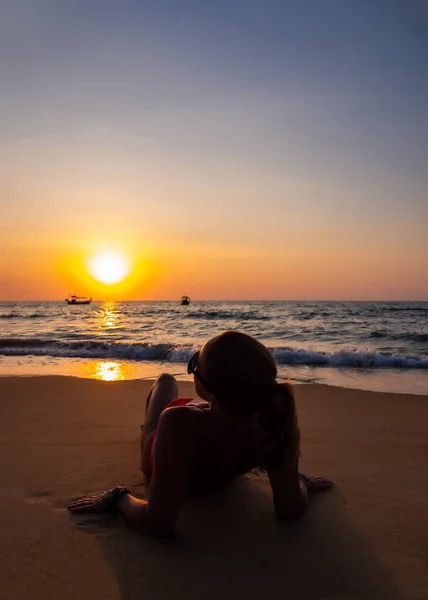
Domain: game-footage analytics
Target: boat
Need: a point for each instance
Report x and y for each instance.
(72, 299)
(185, 300)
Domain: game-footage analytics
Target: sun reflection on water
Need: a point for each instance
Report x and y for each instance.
(109, 318)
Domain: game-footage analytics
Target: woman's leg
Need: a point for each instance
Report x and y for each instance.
(162, 392)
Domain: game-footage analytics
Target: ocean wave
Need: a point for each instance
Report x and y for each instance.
(18, 315)
(411, 336)
(176, 353)
(24, 343)
(405, 308)
(349, 358)
(95, 349)
(307, 316)
(220, 314)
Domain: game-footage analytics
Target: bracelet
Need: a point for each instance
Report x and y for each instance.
(115, 496)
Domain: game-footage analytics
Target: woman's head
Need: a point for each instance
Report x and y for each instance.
(240, 374)
(237, 370)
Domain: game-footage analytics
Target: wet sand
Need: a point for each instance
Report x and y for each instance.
(366, 539)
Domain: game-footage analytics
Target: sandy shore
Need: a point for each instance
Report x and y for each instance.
(62, 437)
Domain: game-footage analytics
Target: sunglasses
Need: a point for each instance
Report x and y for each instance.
(192, 368)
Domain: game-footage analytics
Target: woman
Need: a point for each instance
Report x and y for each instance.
(243, 420)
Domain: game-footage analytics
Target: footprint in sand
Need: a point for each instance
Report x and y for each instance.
(39, 497)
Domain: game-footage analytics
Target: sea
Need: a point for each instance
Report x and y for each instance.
(380, 346)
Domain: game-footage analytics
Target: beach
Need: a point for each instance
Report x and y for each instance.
(63, 437)
(173, 171)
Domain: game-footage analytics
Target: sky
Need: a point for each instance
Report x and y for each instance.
(237, 149)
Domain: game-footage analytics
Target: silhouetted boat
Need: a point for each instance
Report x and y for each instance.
(78, 300)
(185, 300)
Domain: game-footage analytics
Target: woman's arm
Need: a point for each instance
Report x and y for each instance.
(158, 515)
(290, 496)
(290, 490)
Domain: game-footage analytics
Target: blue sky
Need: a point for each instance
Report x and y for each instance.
(307, 114)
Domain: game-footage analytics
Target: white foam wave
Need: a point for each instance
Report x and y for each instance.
(348, 358)
(181, 353)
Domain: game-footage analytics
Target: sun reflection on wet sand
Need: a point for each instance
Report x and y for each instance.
(110, 371)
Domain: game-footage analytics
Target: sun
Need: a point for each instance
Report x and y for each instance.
(109, 268)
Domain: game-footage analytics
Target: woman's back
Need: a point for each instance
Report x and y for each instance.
(220, 448)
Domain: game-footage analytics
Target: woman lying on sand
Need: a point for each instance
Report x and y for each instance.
(245, 420)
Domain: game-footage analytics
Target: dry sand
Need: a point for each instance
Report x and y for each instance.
(62, 437)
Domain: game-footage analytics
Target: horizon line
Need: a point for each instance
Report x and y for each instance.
(225, 300)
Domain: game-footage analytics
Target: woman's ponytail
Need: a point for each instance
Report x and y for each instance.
(278, 420)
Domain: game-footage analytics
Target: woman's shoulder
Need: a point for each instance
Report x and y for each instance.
(189, 408)
(183, 418)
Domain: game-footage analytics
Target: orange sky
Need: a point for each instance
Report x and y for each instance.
(297, 264)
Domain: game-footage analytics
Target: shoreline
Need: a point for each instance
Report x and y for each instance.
(376, 380)
(379, 346)
(188, 382)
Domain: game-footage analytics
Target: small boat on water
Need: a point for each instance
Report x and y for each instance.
(185, 300)
(78, 300)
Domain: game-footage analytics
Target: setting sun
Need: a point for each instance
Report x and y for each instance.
(109, 268)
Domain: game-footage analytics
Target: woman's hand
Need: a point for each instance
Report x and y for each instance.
(104, 502)
(316, 484)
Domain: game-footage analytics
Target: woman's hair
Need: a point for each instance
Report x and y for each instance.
(241, 373)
